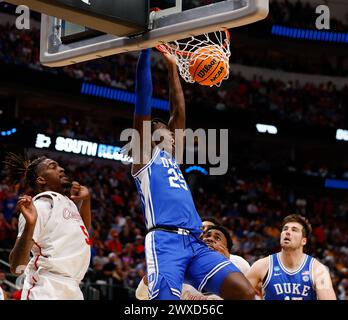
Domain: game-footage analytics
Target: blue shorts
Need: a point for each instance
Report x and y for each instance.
(173, 259)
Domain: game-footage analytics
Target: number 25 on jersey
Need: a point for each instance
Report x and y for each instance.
(176, 179)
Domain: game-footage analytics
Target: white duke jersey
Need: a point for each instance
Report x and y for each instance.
(61, 242)
(283, 284)
(165, 196)
(2, 296)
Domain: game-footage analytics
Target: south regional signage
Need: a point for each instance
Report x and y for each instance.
(81, 147)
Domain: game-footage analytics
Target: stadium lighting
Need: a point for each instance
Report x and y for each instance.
(197, 168)
(336, 184)
(342, 134)
(310, 34)
(8, 132)
(266, 128)
(119, 95)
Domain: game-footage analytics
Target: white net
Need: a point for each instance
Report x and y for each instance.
(187, 51)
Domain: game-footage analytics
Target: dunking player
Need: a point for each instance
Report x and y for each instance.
(291, 274)
(174, 252)
(217, 238)
(52, 228)
(238, 261)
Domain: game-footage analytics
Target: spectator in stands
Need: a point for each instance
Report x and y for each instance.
(114, 244)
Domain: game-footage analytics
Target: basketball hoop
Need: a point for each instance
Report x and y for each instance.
(203, 59)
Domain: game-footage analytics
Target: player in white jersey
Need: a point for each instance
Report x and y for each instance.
(52, 228)
(217, 238)
(239, 261)
(291, 274)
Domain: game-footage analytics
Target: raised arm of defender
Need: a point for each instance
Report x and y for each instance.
(81, 197)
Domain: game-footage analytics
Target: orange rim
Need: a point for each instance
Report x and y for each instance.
(162, 47)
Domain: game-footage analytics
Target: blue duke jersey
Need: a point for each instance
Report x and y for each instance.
(165, 196)
(281, 284)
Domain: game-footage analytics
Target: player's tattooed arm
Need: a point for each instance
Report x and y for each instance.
(20, 254)
(322, 282)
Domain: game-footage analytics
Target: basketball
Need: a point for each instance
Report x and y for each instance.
(208, 66)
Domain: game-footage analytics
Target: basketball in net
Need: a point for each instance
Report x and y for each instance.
(208, 66)
(202, 59)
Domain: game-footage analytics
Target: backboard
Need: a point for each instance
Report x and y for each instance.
(63, 43)
(109, 16)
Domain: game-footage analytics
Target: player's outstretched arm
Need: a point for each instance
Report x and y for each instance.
(256, 274)
(141, 149)
(176, 105)
(20, 254)
(322, 282)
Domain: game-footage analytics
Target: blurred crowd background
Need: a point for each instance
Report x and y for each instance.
(268, 178)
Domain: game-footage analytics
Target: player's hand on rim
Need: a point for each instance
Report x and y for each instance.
(26, 206)
(171, 59)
